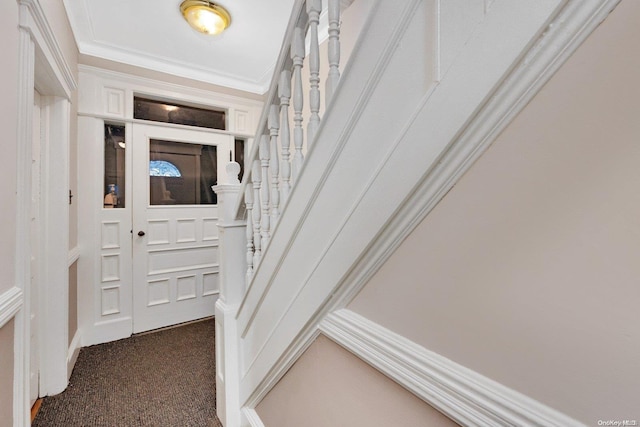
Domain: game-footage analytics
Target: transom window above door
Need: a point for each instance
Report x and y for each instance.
(169, 112)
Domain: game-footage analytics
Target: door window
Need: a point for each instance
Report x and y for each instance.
(182, 173)
(114, 166)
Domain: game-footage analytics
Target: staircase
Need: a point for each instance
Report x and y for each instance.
(329, 193)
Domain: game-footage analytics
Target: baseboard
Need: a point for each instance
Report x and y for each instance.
(463, 395)
(108, 331)
(73, 353)
(11, 302)
(252, 418)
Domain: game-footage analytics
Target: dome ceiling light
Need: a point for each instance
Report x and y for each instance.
(205, 16)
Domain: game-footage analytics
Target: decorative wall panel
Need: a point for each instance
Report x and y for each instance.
(110, 234)
(114, 102)
(186, 287)
(209, 228)
(158, 232)
(110, 300)
(158, 292)
(210, 284)
(186, 230)
(110, 268)
(173, 260)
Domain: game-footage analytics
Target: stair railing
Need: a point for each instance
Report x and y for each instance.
(249, 212)
(275, 160)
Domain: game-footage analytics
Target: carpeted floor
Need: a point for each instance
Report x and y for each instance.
(160, 379)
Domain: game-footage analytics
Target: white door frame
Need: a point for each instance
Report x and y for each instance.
(43, 67)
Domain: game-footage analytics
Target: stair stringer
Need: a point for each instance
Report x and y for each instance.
(388, 149)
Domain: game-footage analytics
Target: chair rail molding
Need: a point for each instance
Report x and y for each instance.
(10, 303)
(252, 417)
(458, 392)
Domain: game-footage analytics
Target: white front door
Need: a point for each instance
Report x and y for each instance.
(175, 233)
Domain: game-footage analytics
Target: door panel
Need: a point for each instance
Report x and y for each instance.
(175, 242)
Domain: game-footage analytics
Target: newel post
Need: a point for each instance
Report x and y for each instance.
(232, 255)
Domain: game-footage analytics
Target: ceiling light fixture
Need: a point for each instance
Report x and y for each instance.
(205, 16)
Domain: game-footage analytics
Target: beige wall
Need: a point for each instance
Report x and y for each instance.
(9, 35)
(6, 374)
(528, 270)
(329, 386)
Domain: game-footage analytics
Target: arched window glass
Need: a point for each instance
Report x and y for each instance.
(163, 168)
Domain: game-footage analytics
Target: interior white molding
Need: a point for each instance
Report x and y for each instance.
(33, 19)
(161, 85)
(74, 255)
(42, 67)
(458, 392)
(23, 205)
(252, 417)
(170, 66)
(10, 303)
(562, 32)
(563, 35)
(73, 352)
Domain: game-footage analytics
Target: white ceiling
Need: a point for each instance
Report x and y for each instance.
(152, 34)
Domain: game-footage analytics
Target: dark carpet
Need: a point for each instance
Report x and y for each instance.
(164, 378)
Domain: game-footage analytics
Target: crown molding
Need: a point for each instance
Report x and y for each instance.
(170, 66)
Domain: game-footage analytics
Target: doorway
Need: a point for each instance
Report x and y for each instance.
(174, 217)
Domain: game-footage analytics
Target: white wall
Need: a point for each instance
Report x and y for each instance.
(527, 271)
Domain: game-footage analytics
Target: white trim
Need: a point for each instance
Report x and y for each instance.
(35, 22)
(108, 118)
(567, 28)
(11, 302)
(42, 66)
(170, 66)
(252, 417)
(174, 91)
(73, 256)
(23, 246)
(73, 353)
(458, 392)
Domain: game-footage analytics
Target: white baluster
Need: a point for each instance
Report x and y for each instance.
(334, 49)
(248, 201)
(265, 230)
(256, 180)
(313, 9)
(284, 92)
(297, 54)
(274, 165)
